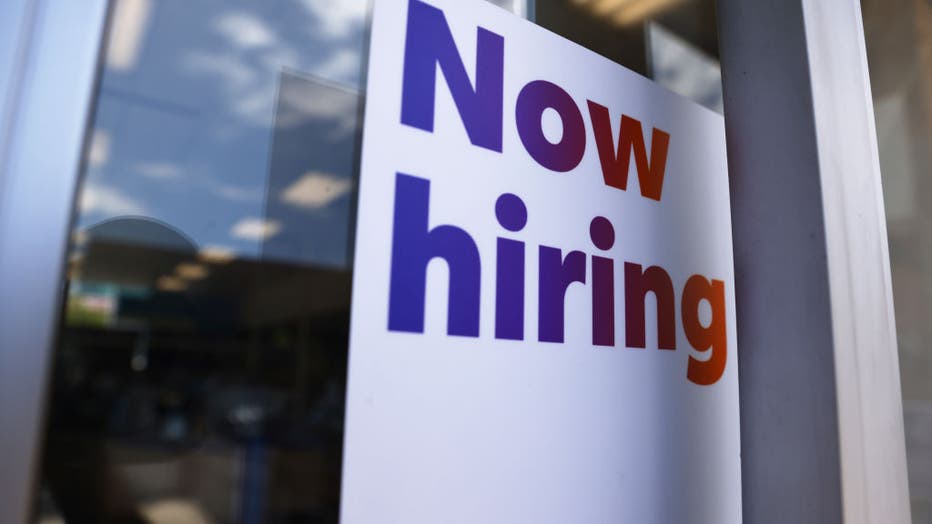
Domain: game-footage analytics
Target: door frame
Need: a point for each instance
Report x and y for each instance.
(821, 410)
(49, 53)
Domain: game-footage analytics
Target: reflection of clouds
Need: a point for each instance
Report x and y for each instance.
(275, 58)
(233, 72)
(98, 198)
(315, 190)
(339, 19)
(237, 193)
(311, 170)
(249, 92)
(159, 170)
(100, 148)
(191, 122)
(297, 107)
(130, 19)
(248, 68)
(244, 30)
(342, 63)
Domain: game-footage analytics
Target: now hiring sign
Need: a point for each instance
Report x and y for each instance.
(543, 318)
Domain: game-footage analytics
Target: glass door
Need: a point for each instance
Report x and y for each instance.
(200, 370)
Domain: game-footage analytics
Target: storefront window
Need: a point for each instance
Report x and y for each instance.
(200, 371)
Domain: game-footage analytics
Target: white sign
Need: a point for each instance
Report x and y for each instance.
(543, 316)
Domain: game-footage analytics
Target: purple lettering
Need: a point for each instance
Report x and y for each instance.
(414, 245)
(429, 44)
(637, 284)
(532, 101)
(603, 284)
(556, 274)
(509, 279)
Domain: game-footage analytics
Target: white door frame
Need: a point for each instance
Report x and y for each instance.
(821, 413)
(48, 65)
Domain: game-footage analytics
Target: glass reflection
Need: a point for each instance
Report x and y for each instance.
(310, 182)
(187, 101)
(200, 374)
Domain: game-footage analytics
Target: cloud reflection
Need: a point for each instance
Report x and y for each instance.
(244, 30)
(99, 199)
(158, 170)
(192, 105)
(130, 20)
(337, 19)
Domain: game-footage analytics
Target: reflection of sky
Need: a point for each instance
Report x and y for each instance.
(184, 121)
(313, 160)
(184, 124)
(685, 69)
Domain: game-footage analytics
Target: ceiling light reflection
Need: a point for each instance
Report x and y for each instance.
(255, 229)
(191, 271)
(627, 12)
(171, 284)
(216, 254)
(175, 511)
(315, 190)
(637, 11)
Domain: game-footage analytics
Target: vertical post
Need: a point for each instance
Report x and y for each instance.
(43, 129)
(821, 415)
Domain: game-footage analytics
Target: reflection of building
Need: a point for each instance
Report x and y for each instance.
(190, 367)
(311, 172)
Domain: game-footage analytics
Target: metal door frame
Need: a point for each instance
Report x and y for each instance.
(48, 54)
(821, 412)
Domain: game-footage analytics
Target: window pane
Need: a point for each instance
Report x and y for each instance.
(201, 368)
(200, 372)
